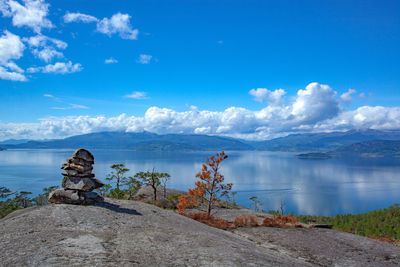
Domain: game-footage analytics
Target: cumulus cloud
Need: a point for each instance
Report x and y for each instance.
(137, 95)
(11, 75)
(347, 97)
(45, 48)
(144, 59)
(32, 13)
(118, 24)
(11, 48)
(110, 60)
(314, 109)
(59, 68)
(43, 41)
(47, 54)
(272, 97)
(317, 102)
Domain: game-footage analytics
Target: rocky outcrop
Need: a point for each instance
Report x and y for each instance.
(5, 191)
(133, 233)
(78, 182)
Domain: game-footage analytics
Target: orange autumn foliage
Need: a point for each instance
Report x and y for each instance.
(210, 220)
(281, 221)
(387, 240)
(245, 221)
(209, 187)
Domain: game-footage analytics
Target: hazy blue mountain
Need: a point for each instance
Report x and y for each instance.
(14, 141)
(143, 141)
(380, 148)
(323, 141)
(146, 141)
(374, 148)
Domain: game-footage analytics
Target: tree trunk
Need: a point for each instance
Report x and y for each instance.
(209, 205)
(155, 192)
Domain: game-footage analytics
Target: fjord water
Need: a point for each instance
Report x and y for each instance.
(323, 187)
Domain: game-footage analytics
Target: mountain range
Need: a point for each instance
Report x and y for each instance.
(146, 141)
(371, 149)
(323, 141)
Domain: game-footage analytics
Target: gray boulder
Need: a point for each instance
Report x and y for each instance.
(83, 154)
(81, 184)
(60, 196)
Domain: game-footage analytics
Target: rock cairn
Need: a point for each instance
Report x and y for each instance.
(78, 182)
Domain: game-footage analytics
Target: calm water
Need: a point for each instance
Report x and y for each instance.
(324, 187)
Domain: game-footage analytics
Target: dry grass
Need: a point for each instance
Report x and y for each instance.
(387, 240)
(281, 221)
(210, 220)
(244, 221)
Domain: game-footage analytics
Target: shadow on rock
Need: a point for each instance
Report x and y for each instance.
(116, 208)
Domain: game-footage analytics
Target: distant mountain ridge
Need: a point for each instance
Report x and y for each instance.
(146, 141)
(323, 141)
(380, 148)
(370, 149)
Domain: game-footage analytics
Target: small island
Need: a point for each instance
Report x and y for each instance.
(314, 155)
(5, 191)
(366, 149)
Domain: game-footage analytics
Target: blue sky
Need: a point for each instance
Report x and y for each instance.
(211, 67)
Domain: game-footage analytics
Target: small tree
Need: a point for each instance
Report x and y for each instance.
(42, 199)
(104, 190)
(117, 175)
(282, 207)
(209, 187)
(256, 202)
(133, 185)
(152, 179)
(234, 198)
(23, 200)
(164, 180)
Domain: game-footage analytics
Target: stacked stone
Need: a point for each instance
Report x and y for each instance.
(79, 181)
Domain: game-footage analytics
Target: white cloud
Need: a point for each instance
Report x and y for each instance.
(144, 59)
(314, 109)
(347, 96)
(49, 95)
(317, 102)
(110, 60)
(118, 24)
(43, 41)
(137, 95)
(32, 13)
(14, 67)
(59, 67)
(272, 97)
(79, 17)
(71, 106)
(12, 76)
(47, 54)
(45, 48)
(11, 48)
